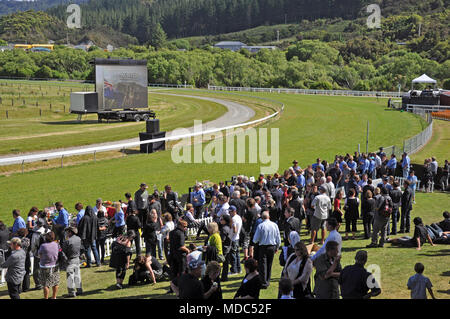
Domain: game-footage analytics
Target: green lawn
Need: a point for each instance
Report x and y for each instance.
(310, 126)
(438, 146)
(25, 130)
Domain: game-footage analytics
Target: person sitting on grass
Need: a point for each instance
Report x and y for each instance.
(420, 236)
(142, 271)
(285, 288)
(419, 284)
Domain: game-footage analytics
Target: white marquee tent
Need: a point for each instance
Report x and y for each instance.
(423, 79)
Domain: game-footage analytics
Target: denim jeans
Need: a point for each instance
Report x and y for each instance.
(236, 257)
(160, 246)
(87, 248)
(395, 218)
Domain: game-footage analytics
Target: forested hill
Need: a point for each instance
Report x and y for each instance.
(10, 6)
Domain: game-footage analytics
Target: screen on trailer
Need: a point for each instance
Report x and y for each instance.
(121, 84)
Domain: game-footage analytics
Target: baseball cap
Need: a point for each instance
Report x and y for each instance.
(194, 264)
(232, 208)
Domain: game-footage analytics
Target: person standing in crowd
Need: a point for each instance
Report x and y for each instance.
(236, 226)
(178, 250)
(22, 234)
(406, 208)
(337, 212)
(328, 268)
(290, 224)
(165, 230)
(444, 177)
(288, 250)
(405, 164)
(298, 269)
(419, 284)
(37, 238)
(48, 262)
(267, 236)
(15, 265)
(88, 228)
(239, 203)
(212, 279)
(226, 234)
(295, 202)
(102, 233)
(198, 199)
(251, 284)
(351, 214)
(248, 220)
(322, 207)
(368, 212)
(353, 280)
(141, 200)
(80, 212)
(118, 220)
(99, 207)
(4, 236)
(72, 248)
(332, 236)
(31, 218)
(434, 167)
(170, 202)
(391, 165)
(396, 196)
(134, 223)
(131, 205)
(120, 256)
(382, 215)
(213, 250)
(150, 233)
(412, 178)
(61, 222)
(18, 222)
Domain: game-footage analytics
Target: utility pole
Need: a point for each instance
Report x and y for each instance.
(367, 138)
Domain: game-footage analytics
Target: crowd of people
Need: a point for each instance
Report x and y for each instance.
(256, 217)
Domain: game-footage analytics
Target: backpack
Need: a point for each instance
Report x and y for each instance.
(386, 208)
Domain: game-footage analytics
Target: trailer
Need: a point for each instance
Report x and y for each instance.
(121, 92)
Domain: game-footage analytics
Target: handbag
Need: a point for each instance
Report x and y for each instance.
(62, 259)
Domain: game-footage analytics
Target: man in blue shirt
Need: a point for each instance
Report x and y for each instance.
(198, 199)
(413, 184)
(314, 166)
(80, 210)
(301, 182)
(18, 221)
(392, 165)
(61, 221)
(268, 238)
(405, 165)
(364, 164)
(372, 165)
(351, 164)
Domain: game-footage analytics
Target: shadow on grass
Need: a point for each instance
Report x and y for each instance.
(71, 122)
(446, 273)
(440, 253)
(4, 293)
(444, 291)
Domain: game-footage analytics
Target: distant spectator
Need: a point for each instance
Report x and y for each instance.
(31, 218)
(80, 214)
(120, 256)
(99, 206)
(102, 232)
(141, 200)
(87, 230)
(118, 220)
(72, 248)
(418, 240)
(407, 201)
(328, 270)
(4, 236)
(298, 269)
(133, 223)
(322, 207)
(419, 284)
(333, 236)
(61, 222)
(445, 176)
(351, 214)
(22, 234)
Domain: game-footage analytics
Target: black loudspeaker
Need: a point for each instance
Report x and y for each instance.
(152, 147)
(152, 125)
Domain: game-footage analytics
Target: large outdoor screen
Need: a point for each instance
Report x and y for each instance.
(121, 84)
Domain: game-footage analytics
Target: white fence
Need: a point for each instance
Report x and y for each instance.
(306, 91)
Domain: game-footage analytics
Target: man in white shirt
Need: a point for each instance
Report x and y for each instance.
(322, 206)
(331, 188)
(223, 206)
(99, 206)
(236, 227)
(332, 236)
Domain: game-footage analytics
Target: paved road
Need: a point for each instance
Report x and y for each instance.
(236, 114)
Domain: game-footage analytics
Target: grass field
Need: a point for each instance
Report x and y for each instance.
(310, 126)
(25, 130)
(438, 146)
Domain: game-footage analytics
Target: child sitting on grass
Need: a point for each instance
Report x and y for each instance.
(418, 284)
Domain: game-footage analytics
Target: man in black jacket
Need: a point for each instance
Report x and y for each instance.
(238, 203)
(170, 202)
(134, 223)
(87, 230)
(396, 196)
(406, 208)
(291, 223)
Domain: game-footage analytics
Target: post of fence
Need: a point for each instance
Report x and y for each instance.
(62, 160)
(23, 161)
(94, 156)
(6, 114)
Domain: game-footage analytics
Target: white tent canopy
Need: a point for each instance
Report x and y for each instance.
(424, 79)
